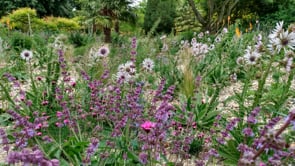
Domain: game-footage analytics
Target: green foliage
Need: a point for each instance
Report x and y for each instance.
(106, 14)
(284, 12)
(185, 19)
(196, 146)
(164, 10)
(79, 39)
(20, 41)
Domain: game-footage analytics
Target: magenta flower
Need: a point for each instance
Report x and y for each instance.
(147, 126)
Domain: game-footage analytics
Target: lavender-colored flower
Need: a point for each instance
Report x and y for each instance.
(92, 146)
(28, 157)
(230, 126)
(248, 132)
(143, 157)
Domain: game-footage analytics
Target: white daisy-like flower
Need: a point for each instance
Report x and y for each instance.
(199, 49)
(102, 52)
(207, 32)
(128, 68)
(218, 39)
(251, 57)
(132, 72)
(148, 64)
(123, 76)
(129, 64)
(201, 35)
(193, 41)
(278, 29)
(121, 68)
(211, 47)
(259, 46)
(26, 55)
(204, 48)
(259, 37)
(284, 40)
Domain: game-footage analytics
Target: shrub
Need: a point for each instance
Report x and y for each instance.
(79, 39)
(21, 19)
(63, 24)
(21, 41)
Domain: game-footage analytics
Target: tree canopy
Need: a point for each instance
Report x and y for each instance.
(61, 8)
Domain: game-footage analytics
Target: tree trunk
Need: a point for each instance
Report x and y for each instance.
(107, 34)
(196, 12)
(117, 26)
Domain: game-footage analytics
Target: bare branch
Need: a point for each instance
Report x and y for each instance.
(196, 12)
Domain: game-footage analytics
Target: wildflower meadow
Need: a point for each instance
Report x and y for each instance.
(224, 97)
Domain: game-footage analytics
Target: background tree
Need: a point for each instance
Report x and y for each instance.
(213, 14)
(105, 14)
(216, 11)
(62, 8)
(165, 10)
(185, 19)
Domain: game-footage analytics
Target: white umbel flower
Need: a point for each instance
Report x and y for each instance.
(26, 55)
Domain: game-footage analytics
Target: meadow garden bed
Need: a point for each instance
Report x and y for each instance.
(222, 99)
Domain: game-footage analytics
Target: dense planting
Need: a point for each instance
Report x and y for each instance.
(70, 99)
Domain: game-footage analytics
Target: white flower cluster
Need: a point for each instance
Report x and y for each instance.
(198, 49)
(126, 72)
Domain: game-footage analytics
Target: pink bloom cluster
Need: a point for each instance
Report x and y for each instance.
(147, 126)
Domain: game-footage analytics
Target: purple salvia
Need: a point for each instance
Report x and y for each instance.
(92, 148)
(143, 158)
(248, 132)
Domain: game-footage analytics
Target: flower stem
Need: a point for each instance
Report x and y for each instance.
(261, 83)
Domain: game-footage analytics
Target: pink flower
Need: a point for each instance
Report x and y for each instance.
(262, 164)
(147, 126)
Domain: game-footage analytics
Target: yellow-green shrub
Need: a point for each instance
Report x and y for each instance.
(43, 25)
(63, 24)
(19, 19)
